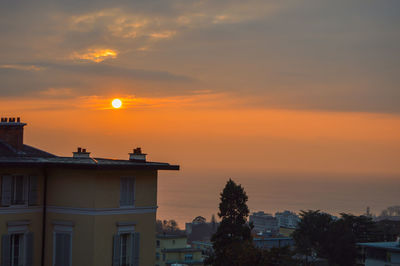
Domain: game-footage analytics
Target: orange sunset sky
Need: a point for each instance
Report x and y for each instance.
(296, 100)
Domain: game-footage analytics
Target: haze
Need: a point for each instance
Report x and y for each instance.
(296, 100)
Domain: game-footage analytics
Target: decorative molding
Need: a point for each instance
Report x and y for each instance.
(18, 223)
(126, 223)
(18, 227)
(64, 223)
(101, 211)
(22, 209)
(78, 211)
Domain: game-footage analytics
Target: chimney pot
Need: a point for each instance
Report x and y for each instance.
(81, 153)
(137, 155)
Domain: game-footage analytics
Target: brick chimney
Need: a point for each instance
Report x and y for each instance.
(137, 155)
(12, 132)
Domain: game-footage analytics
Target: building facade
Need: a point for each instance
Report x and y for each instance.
(264, 222)
(287, 219)
(79, 210)
(380, 253)
(174, 250)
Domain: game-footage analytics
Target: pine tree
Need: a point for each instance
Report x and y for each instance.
(232, 242)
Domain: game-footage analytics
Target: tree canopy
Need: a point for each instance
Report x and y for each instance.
(233, 235)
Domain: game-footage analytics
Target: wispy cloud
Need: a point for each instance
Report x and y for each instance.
(22, 67)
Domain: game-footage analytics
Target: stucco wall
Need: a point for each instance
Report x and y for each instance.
(91, 191)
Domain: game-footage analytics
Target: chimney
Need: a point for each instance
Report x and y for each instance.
(12, 132)
(137, 155)
(81, 153)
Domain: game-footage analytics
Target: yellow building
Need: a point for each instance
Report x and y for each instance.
(286, 231)
(79, 210)
(174, 250)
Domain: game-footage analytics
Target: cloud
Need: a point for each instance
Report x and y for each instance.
(300, 55)
(22, 67)
(95, 55)
(162, 35)
(66, 80)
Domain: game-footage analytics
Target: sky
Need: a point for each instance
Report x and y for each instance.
(296, 100)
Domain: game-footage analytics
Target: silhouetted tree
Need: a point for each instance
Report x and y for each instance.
(311, 232)
(321, 236)
(339, 244)
(389, 230)
(167, 226)
(363, 228)
(277, 257)
(213, 223)
(232, 242)
(391, 211)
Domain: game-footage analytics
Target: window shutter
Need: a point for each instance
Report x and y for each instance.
(67, 249)
(116, 250)
(29, 249)
(6, 190)
(25, 189)
(5, 250)
(136, 248)
(33, 190)
(124, 191)
(58, 249)
(131, 191)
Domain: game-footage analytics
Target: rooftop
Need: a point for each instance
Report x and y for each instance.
(170, 236)
(392, 246)
(13, 152)
(181, 250)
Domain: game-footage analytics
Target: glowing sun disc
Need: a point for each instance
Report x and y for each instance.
(116, 103)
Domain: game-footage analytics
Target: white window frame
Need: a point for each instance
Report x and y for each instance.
(134, 192)
(19, 228)
(126, 228)
(62, 228)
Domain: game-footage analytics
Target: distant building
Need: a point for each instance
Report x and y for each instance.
(174, 250)
(75, 210)
(264, 222)
(273, 242)
(200, 230)
(287, 219)
(285, 231)
(380, 253)
(387, 218)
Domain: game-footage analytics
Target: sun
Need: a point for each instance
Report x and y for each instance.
(116, 103)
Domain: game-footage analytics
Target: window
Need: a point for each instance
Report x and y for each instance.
(18, 190)
(17, 245)
(158, 243)
(157, 256)
(127, 191)
(188, 257)
(17, 250)
(62, 245)
(126, 245)
(125, 253)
